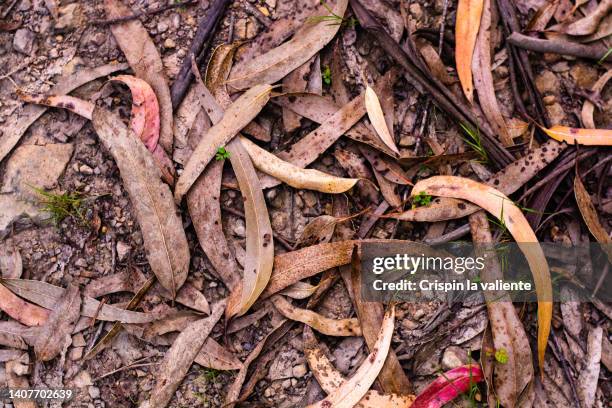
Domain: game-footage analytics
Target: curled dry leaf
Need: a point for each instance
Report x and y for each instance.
(586, 386)
(589, 214)
(434, 62)
(280, 61)
(322, 324)
(46, 295)
(588, 108)
(585, 137)
(483, 78)
(162, 229)
(350, 392)
(237, 116)
(330, 379)
(260, 246)
(20, 310)
(501, 207)
(215, 356)
(507, 180)
(144, 121)
(180, 356)
(295, 176)
(377, 118)
(588, 25)
(448, 386)
(55, 333)
(143, 57)
(317, 231)
(467, 23)
(17, 124)
(300, 290)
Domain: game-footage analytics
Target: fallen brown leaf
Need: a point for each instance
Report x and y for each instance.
(143, 57)
(162, 229)
(55, 334)
(20, 310)
(588, 108)
(377, 119)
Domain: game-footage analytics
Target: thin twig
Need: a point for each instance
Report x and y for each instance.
(143, 13)
(557, 46)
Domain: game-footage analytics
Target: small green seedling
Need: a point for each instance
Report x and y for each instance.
(326, 75)
(62, 206)
(472, 139)
(605, 56)
(222, 154)
(333, 18)
(420, 200)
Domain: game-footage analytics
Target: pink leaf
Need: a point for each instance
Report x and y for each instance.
(448, 386)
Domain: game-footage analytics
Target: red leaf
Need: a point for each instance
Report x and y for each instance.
(448, 386)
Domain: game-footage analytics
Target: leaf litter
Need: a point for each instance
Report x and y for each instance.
(373, 169)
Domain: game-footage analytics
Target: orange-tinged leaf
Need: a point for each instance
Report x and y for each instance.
(500, 206)
(585, 137)
(467, 23)
(377, 118)
(322, 324)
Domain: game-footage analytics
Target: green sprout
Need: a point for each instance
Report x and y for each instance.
(62, 206)
(420, 200)
(326, 75)
(222, 154)
(605, 56)
(472, 139)
(333, 18)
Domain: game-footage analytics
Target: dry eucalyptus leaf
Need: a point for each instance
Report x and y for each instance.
(17, 123)
(162, 229)
(280, 61)
(10, 262)
(584, 137)
(588, 108)
(467, 23)
(586, 386)
(143, 57)
(20, 310)
(350, 392)
(54, 335)
(322, 324)
(180, 356)
(236, 117)
(377, 119)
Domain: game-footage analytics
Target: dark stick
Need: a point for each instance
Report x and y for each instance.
(557, 47)
(202, 35)
(426, 84)
(144, 13)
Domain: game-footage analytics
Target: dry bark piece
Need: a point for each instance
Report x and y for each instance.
(501, 207)
(377, 119)
(330, 379)
(588, 108)
(586, 386)
(260, 246)
(55, 334)
(20, 310)
(46, 295)
(483, 78)
(350, 392)
(236, 117)
(584, 137)
(180, 356)
(448, 386)
(162, 229)
(469, 13)
(11, 265)
(280, 61)
(19, 122)
(293, 175)
(322, 324)
(143, 57)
